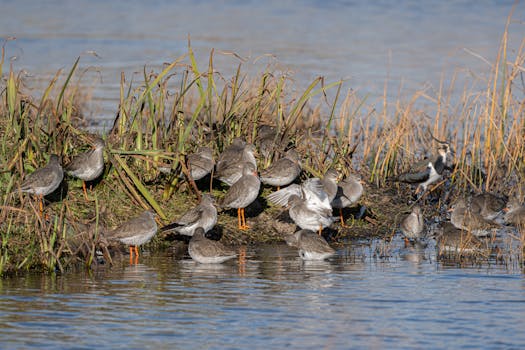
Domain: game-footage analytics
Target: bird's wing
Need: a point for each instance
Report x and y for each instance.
(281, 197)
(415, 177)
(191, 216)
(315, 195)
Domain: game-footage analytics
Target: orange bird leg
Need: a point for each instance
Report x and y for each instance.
(84, 188)
(40, 199)
(239, 218)
(341, 216)
(320, 229)
(137, 251)
(131, 255)
(244, 225)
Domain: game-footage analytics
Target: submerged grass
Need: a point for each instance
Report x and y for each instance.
(172, 112)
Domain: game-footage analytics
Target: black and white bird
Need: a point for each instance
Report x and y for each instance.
(426, 173)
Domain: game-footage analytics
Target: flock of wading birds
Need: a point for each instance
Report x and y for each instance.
(309, 203)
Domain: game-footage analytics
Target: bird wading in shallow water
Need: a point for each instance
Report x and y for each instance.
(463, 217)
(134, 232)
(207, 251)
(311, 246)
(456, 241)
(413, 224)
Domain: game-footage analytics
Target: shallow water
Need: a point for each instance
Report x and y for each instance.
(410, 44)
(355, 300)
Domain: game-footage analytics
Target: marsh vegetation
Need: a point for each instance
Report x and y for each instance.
(172, 112)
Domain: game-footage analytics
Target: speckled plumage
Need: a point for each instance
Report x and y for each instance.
(515, 214)
(488, 205)
(454, 240)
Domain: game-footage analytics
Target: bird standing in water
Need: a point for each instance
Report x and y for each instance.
(207, 251)
(134, 232)
(413, 224)
(463, 217)
(311, 246)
